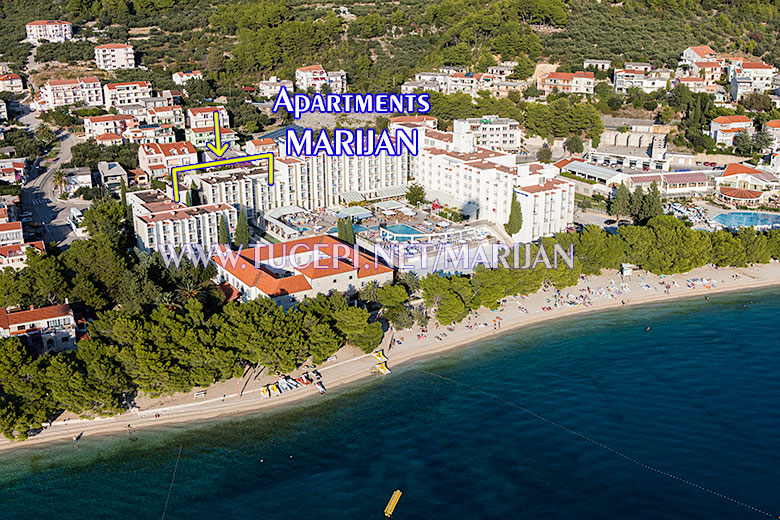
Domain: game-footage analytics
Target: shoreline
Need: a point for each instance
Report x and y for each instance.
(351, 366)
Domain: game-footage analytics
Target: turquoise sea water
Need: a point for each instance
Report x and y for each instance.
(696, 396)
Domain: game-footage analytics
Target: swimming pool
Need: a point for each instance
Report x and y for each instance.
(357, 228)
(402, 229)
(738, 219)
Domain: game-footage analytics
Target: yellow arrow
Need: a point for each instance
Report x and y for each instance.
(218, 148)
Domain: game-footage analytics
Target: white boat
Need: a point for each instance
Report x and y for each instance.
(265, 392)
(320, 387)
(292, 383)
(275, 390)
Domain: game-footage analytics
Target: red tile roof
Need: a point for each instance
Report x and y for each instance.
(774, 123)
(703, 50)
(9, 319)
(311, 68)
(6, 251)
(206, 110)
(736, 168)
(737, 193)
(114, 46)
(9, 77)
(108, 136)
(726, 120)
(49, 22)
(755, 65)
(11, 226)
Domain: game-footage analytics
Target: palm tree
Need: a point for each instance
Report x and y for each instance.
(60, 180)
(369, 292)
(189, 289)
(168, 299)
(410, 280)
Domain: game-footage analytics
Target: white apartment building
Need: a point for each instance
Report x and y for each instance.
(489, 178)
(112, 56)
(271, 87)
(597, 64)
(49, 30)
(147, 134)
(750, 76)
(204, 116)
(157, 159)
(95, 126)
(61, 92)
(470, 82)
(697, 53)
(625, 79)
(15, 256)
(172, 115)
(725, 128)
(568, 82)
(502, 70)
(316, 77)
(47, 329)
(11, 83)
(694, 84)
(159, 221)
(123, 94)
(181, 78)
(709, 71)
(493, 132)
(200, 137)
(245, 189)
(11, 234)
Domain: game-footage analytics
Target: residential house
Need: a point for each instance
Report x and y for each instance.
(694, 84)
(130, 93)
(204, 116)
(46, 329)
(597, 64)
(625, 79)
(49, 30)
(11, 234)
(697, 53)
(62, 92)
(11, 83)
(80, 177)
(271, 88)
(158, 159)
(13, 170)
(725, 128)
(181, 78)
(15, 255)
(146, 133)
(113, 56)
(172, 115)
(316, 77)
(567, 82)
(200, 137)
(111, 175)
(109, 123)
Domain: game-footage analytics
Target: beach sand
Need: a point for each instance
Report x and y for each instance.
(239, 396)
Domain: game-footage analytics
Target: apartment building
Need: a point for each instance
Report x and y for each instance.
(697, 53)
(487, 179)
(11, 83)
(181, 78)
(290, 271)
(709, 71)
(11, 234)
(46, 329)
(470, 82)
(157, 159)
(172, 115)
(49, 30)
(694, 84)
(725, 128)
(204, 116)
(113, 56)
(200, 137)
(568, 82)
(625, 79)
(750, 76)
(502, 70)
(159, 221)
(316, 77)
(62, 92)
(124, 94)
(109, 139)
(271, 87)
(95, 126)
(111, 175)
(492, 132)
(13, 170)
(597, 64)
(15, 256)
(245, 189)
(147, 134)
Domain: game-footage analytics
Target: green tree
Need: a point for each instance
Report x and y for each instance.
(762, 140)
(242, 236)
(544, 155)
(743, 143)
(651, 204)
(222, 234)
(515, 222)
(574, 144)
(637, 198)
(666, 115)
(620, 204)
(415, 194)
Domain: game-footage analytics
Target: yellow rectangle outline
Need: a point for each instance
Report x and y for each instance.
(221, 162)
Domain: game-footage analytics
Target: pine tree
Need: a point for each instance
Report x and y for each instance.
(651, 204)
(342, 230)
(194, 195)
(242, 236)
(188, 199)
(636, 201)
(123, 193)
(515, 222)
(222, 235)
(621, 202)
(350, 232)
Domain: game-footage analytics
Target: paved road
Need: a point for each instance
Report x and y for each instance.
(40, 197)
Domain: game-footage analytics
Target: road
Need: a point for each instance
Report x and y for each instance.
(39, 196)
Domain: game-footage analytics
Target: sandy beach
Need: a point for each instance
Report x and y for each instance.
(238, 396)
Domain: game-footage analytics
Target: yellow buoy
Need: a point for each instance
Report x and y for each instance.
(393, 502)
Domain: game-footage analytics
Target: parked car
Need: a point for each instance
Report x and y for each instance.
(610, 222)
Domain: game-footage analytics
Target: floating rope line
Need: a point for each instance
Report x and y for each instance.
(176, 467)
(601, 445)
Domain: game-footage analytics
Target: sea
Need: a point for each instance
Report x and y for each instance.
(587, 417)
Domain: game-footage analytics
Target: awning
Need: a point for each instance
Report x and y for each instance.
(351, 196)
